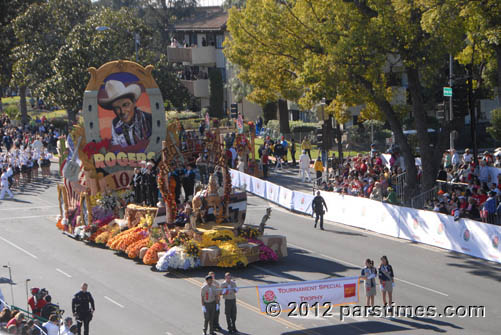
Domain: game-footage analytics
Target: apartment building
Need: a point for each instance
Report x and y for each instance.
(198, 46)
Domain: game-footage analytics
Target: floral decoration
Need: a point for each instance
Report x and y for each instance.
(177, 258)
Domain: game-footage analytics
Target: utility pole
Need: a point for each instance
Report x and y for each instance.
(136, 44)
(451, 114)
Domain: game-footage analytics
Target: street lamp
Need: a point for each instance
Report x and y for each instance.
(136, 38)
(27, 296)
(10, 278)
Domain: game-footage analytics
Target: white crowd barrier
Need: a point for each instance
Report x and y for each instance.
(466, 236)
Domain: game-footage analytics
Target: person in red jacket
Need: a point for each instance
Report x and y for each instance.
(37, 300)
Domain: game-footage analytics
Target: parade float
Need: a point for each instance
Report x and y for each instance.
(124, 135)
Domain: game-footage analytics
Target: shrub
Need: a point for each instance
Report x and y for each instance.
(12, 111)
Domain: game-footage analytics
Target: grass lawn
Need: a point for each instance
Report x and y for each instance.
(61, 113)
(10, 100)
(314, 150)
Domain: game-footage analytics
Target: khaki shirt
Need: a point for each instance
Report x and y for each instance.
(209, 293)
(229, 294)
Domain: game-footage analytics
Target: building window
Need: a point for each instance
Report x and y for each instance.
(219, 41)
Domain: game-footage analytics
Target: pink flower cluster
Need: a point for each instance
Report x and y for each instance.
(265, 253)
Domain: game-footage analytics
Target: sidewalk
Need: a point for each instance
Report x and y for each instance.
(289, 177)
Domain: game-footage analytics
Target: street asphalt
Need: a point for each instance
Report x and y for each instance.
(131, 298)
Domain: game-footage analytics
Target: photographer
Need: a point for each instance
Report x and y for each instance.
(37, 300)
(49, 308)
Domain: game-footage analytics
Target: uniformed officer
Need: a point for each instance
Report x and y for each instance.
(152, 187)
(318, 205)
(137, 184)
(218, 298)
(209, 300)
(83, 307)
(229, 290)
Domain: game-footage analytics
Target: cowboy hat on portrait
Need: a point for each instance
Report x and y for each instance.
(115, 90)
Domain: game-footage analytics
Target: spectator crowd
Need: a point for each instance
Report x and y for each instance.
(45, 317)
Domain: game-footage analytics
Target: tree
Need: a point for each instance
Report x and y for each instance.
(172, 89)
(40, 31)
(10, 10)
(216, 91)
(160, 15)
(344, 51)
(85, 47)
(495, 129)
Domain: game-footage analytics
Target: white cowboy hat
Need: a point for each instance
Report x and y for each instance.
(115, 90)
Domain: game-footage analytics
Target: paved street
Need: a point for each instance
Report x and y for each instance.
(133, 299)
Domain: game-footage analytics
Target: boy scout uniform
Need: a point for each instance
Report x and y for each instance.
(230, 304)
(209, 297)
(216, 284)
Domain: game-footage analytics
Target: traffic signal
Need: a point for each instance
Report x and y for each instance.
(440, 110)
(234, 111)
(460, 100)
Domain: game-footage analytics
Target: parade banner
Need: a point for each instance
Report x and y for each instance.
(336, 291)
(301, 202)
(259, 187)
(285, 197)
(272, 192)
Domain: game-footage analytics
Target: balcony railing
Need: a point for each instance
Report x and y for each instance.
(198, 88)
(193, 56)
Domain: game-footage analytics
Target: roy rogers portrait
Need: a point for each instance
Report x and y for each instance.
(131, 125)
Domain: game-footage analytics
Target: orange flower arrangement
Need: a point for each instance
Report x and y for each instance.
(133, 249)
(115, 242)
(151, 256)
(59, 224)
(130, 239)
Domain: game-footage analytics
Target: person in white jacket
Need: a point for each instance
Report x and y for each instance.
(5, 186)
(304, 166)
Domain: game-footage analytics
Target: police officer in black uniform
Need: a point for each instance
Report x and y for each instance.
(137, 184)
(151, 185)
(83, 307)
(318, 209)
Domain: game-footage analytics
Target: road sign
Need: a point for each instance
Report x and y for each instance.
(447, 91)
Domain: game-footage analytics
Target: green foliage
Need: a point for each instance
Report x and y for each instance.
(495, 129)
(41, 31)
(85, 47)
(9, 11)
(12, 111)
(295, 126)
(170, 86)
(216, 92)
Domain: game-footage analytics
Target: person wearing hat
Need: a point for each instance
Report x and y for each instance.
(391, 197)
(131, 125)
(209, 300)
(36, 301)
